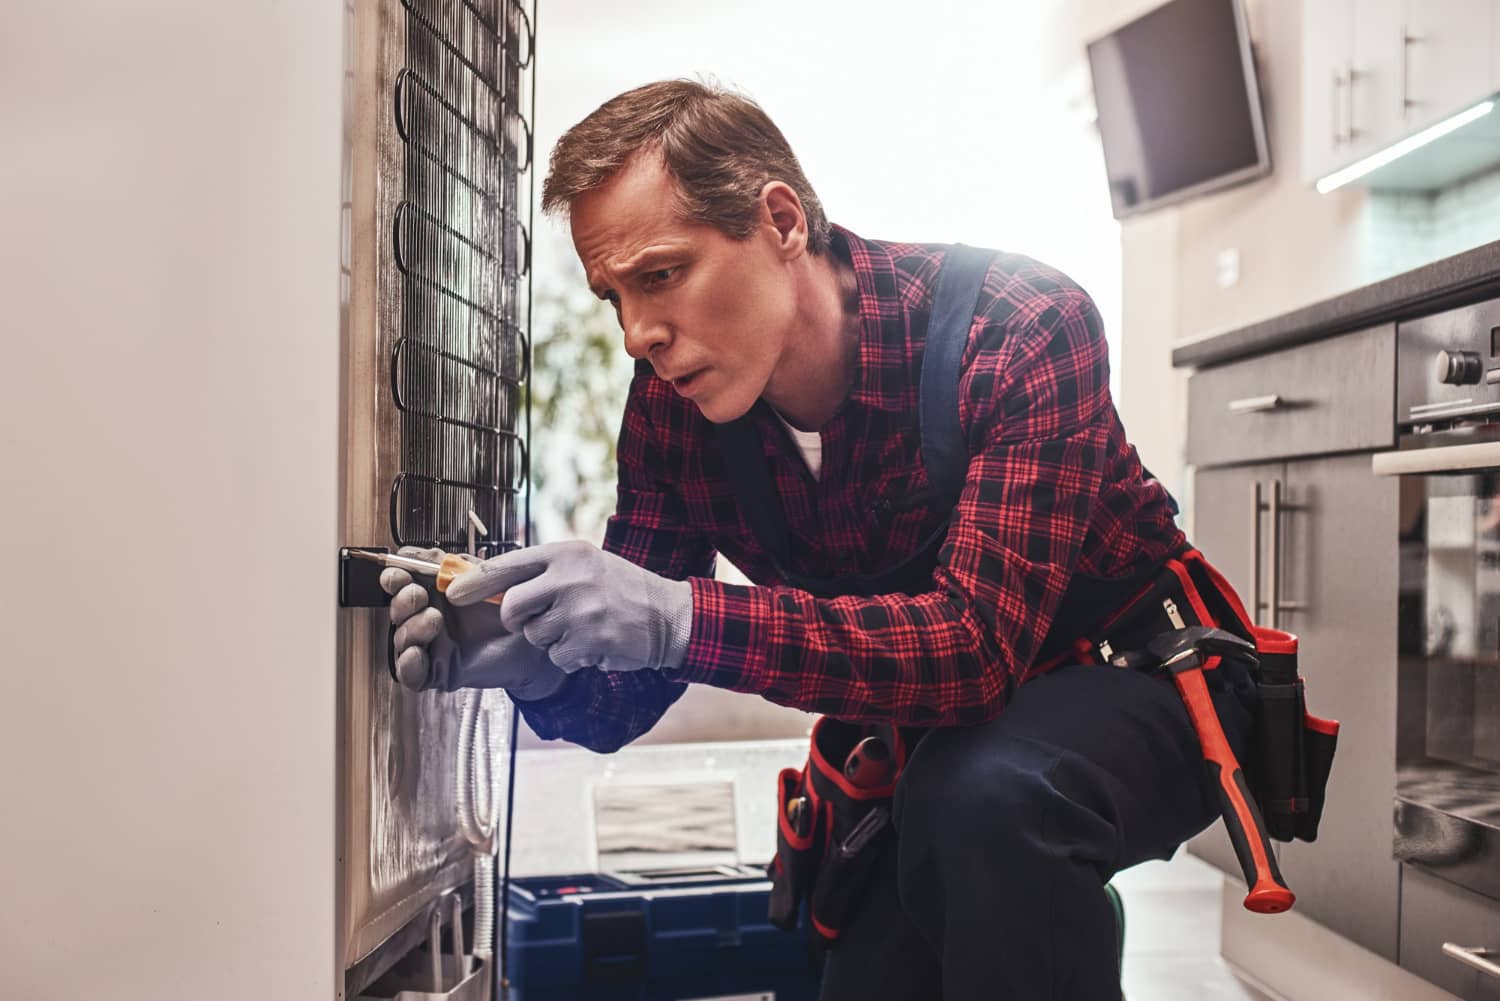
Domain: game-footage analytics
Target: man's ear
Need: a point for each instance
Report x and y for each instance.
(781, 210)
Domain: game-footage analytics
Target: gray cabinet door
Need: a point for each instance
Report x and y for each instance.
(1435, 913)
(1223, 529)
(1339, 563)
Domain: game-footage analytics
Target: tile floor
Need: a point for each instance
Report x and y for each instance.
(1172, 918)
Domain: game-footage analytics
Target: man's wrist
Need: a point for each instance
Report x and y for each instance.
(542, 688)
(679, 622)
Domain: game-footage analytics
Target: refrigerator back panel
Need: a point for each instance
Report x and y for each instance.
(436, 250)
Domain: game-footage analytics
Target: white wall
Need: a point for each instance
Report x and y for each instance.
(1294, 245)
(169, 220)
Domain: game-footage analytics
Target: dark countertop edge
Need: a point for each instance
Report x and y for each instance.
(1453, 281)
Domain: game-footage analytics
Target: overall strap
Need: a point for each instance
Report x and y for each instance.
(953, 306)
(754, 490)
(944, 453)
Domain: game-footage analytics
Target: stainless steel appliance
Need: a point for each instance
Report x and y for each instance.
(436, 354)
(1447, 810)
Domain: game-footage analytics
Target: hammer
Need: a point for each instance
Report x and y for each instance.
(1183, 653)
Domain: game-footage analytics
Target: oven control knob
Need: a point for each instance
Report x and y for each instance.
(1459, 368)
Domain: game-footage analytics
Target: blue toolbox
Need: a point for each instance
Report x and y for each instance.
(672, 935)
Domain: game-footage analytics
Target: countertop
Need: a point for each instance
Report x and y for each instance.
(1471, 276)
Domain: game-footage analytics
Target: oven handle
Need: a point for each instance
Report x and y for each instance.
(1479, 958)
(1447, 459)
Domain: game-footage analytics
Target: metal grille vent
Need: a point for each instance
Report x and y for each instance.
(461, 355)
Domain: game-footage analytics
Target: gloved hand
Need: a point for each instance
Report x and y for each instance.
(585, 607)
(438, 646)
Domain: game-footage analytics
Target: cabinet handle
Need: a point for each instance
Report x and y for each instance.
(1276, 508)
(1255, 509)
(1274, 606)
(1338, 85)
(1406, 39)
(1480, 958)
(1256, 404)
(1350, 131)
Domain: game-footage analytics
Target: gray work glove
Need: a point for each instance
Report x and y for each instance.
(438, 646)
(585, 607)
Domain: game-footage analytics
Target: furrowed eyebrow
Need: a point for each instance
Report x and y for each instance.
(641, 262)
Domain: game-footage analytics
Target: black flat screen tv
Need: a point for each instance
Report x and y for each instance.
(1178, 107)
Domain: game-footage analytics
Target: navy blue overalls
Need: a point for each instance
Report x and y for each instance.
(1005, 833)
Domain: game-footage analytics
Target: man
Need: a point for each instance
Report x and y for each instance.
(778, 352)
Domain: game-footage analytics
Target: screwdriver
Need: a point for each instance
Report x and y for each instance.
(453, 565)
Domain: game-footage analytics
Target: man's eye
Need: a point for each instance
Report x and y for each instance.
(657, 277)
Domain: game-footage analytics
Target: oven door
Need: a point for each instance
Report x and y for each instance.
(1448, 698)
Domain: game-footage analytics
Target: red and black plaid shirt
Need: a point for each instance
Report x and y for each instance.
(1053, 489)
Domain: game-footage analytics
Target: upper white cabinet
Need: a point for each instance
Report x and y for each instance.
(1374, 67)
(1446, 48)
(1327, 51)
(1375, 71)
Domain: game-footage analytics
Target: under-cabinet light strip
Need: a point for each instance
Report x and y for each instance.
(1396, 151)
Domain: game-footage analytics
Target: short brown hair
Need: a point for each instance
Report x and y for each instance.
(720, 147)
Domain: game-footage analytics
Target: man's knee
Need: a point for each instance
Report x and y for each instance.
(960, 795)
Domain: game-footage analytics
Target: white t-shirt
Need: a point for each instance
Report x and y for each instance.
(809, 443)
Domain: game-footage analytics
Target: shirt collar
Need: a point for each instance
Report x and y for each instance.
(883, 322)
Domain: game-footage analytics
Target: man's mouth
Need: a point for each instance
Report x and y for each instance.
(687, 383)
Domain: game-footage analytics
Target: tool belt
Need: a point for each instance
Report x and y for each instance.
(1290, 751)
(833, 815)
(833, 819)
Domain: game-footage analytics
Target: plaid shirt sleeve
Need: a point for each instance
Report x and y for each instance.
(605, 710)
(1034, 400)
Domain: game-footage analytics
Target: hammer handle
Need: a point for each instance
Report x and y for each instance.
(1269, 893)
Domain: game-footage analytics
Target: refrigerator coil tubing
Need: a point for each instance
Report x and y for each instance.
(460, 359)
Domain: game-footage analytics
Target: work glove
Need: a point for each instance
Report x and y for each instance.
(585, 607)
(438, 646)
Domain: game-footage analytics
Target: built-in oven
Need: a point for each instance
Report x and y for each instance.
(1447, 813)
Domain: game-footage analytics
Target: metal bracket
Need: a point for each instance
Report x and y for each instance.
(359, 580)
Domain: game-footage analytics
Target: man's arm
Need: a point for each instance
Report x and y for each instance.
(605, 710)
(1036, 403)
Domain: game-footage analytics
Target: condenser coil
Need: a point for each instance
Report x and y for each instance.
(436, 354)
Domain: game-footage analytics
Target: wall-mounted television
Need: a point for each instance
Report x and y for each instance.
(1178, 107)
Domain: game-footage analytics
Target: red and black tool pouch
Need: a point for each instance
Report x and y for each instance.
(1291, 752)
(797, 854)
(827, 860)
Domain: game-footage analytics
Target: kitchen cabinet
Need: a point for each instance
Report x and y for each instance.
(1447, 51)
(1339, 578)
(1296, 428)
(1314, 400)
(1376, 71)
(1373, 101)
(1327, 45)
(1334, 571)
(1435, 913)
(1222, 531)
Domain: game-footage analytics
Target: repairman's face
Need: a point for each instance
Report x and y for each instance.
(712, 314)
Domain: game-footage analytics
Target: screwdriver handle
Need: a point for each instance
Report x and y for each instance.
(1269, 893)
(455, 565)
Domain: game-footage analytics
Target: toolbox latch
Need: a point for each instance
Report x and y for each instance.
(614, 948)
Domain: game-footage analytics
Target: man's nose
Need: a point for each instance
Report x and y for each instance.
(643, 332)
